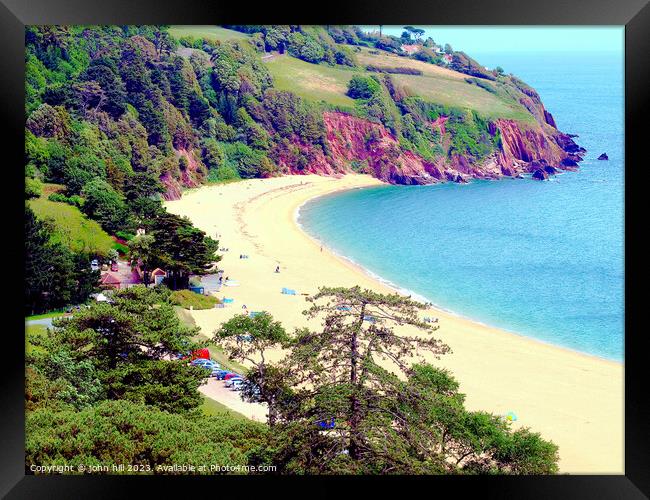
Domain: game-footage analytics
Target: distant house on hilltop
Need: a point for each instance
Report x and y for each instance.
(446, 59)
(410, 49)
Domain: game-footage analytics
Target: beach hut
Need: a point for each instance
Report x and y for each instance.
(157, 275)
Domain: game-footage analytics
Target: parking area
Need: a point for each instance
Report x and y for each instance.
(215, 389)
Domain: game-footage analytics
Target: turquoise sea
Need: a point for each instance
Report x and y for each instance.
(543, 259)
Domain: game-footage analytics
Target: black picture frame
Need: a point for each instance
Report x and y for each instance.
(634, 14)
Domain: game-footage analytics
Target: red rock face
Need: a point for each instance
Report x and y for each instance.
(355, 144)
(191, 176)
(352, 139)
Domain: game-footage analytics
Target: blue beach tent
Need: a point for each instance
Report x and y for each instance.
(326, 424)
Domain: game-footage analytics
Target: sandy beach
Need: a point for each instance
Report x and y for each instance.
(572, 399)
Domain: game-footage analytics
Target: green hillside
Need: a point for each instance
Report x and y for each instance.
(214, 33)
(321, 82)
(72, 228)
(316, 82)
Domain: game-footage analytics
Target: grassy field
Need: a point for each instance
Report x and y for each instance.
(207, 32)
(72, 228)
(214, 408)
(315, 82)
(53, 314)
(187, 299)
(386, 60)
(459, 93)
(318, 82)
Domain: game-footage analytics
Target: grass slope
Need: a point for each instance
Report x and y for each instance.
(207, 32)
(319, 82)
(33, 331)
(315, 82)
(460, 94)
(382, 59)
(72, 228)
(187, 299)
(215, 408)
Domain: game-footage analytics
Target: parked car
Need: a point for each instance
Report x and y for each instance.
(232, 380)
(200, 361)
(114, 266)
(220, 374)
(237, 384)
(206, 363)
(94, 265)
(214, 371)
(230, 375)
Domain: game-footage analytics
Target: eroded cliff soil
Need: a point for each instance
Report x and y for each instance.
(355, 144)
(359, 145)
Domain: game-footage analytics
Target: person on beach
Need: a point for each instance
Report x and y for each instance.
(277, 269)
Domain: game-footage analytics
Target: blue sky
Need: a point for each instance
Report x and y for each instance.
(481, 39)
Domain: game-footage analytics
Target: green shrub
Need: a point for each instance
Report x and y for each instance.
(121, 249)
(33, 188)
(363, 87)
(124, 235)
(223, 173)
(74, 200)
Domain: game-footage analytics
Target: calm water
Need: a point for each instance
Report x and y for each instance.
(544, 259)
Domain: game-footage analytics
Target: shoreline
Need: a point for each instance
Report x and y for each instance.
(396, 288)
(572, 398)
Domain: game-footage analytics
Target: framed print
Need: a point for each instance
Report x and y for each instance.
(345, 254)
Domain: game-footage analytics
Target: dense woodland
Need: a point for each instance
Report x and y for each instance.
(105, 387)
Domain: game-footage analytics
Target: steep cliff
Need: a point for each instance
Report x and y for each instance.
(357, 144)
(190, 173)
